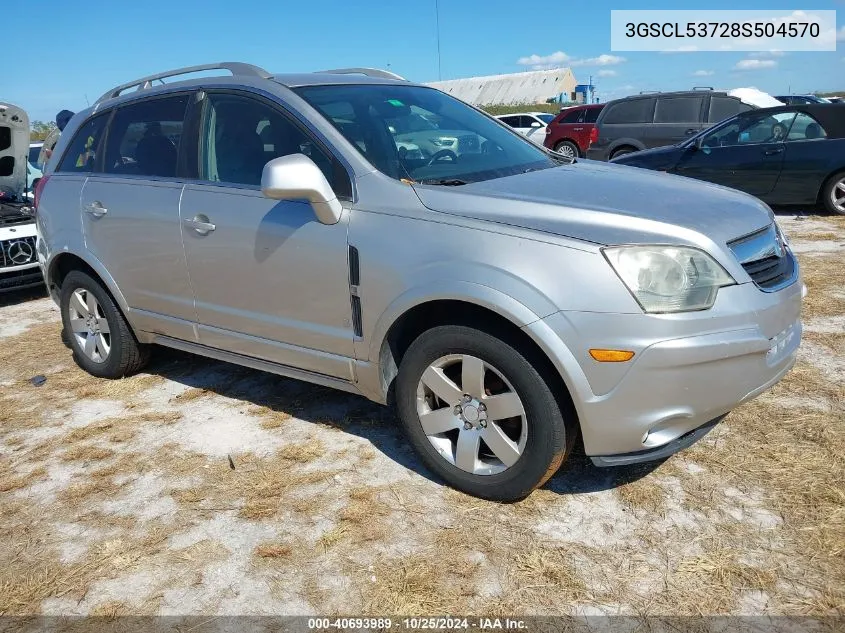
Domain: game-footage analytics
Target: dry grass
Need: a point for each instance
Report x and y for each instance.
(10, 481)
(274, 550)
(823, 276)
(87, 453)
(643, 494)
(303, 452)
(822, 236)
(410, 586)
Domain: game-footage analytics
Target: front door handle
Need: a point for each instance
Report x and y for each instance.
(201, 224)
(96, 209)
(772, 152)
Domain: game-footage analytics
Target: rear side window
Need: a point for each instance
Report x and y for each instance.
(572, 117)
(513, 121)
(144, 137)
(633, 111)
(678, 110)
(592, 115)
(81, 154)
(722, 108)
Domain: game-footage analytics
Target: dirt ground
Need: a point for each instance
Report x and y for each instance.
(204, 488)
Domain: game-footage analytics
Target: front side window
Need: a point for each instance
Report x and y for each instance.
(144, 138)
(751, 130)
(805, 128)
(678, 110)
(241, 134)
(81, 154)
(463, 146)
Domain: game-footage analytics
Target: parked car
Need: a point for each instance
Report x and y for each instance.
(569, 132)
(18, 261)
(530, 124)
(34, 153)
(786, 155)
(656, 119)
(504, 301)
(801, 99)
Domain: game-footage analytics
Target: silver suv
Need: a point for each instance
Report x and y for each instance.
(504, 298)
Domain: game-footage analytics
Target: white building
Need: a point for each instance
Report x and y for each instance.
(536, 86)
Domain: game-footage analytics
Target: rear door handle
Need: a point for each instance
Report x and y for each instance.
(96, 209)
(772, 152)
(201, 224)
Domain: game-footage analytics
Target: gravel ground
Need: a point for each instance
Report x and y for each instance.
(204, 488)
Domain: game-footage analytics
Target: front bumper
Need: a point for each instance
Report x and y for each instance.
(18, 279)
(688, 370)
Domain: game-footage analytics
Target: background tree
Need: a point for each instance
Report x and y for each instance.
(41, 130)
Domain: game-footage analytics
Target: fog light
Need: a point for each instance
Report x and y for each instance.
(611, 355)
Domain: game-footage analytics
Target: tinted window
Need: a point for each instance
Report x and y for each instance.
(572, 117)
(678, 110)
(722, 108)
(240, 135)
(466, 146)
(633, 111)
(144, 137)
(592, 115)
(513, 121)
(546, 118)
(805, 128)
(33, 155)
(81, 154)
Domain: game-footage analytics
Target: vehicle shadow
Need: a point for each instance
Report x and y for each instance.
(356, 415)
(15, 297)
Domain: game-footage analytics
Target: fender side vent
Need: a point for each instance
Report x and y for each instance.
(354, 267)
(357, 326)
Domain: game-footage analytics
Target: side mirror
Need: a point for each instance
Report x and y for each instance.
(296, 177)
(536, 124)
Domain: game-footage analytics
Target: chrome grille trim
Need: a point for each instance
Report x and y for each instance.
(766, 258)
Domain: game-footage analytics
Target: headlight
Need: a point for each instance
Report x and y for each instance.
(669, 278)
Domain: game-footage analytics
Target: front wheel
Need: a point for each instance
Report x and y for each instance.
(833, 194)
(479, 414)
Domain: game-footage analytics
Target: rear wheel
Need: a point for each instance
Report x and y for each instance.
(833, 193)
(479, 414)
(101, 340)
(568, 149)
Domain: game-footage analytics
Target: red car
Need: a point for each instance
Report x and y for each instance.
(569, 132)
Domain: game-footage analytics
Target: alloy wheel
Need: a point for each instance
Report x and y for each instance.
(837, 195)
(89, 326)
(471, 414)
(566, 150)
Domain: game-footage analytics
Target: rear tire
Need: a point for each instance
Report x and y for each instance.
(833, 194)
(568, 148)
(538, 437)
(101, 340)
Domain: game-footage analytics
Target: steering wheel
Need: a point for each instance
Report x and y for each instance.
(443, 154)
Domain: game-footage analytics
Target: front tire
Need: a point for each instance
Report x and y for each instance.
(479, 414)
(622, 151)
(833, 194)
(101, 340)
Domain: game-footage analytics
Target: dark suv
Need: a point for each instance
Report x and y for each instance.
(569, 132)
(656, 119)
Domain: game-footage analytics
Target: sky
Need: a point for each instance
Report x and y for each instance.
(72, 54)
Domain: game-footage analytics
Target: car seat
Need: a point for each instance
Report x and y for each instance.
(813, 131)
(156, 156)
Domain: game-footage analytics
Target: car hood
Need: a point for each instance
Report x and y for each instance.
(606, 204)
(14, 126)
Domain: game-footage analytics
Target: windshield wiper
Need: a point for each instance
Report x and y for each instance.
(446, 182)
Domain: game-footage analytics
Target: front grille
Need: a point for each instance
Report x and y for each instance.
(18, 251)
(766, 258)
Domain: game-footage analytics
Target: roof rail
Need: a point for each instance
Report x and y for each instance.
(236, 68)
(702, 87)
(369, 72)
(649, 92)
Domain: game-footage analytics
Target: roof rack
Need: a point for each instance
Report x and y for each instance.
(369, 72)
(236, 68)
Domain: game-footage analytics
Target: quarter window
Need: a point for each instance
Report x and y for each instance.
(592, 115)
(805, 128)
(144, 138)
(572, 117)
(81, 154)
(722, 108)
(678, 110)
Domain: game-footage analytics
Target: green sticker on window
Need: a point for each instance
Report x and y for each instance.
(395, 102)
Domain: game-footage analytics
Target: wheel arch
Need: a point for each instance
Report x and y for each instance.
(63, 263)
(840, 169)
(502, 321)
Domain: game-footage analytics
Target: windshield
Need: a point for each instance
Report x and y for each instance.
(33, 155)
(424, 135)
